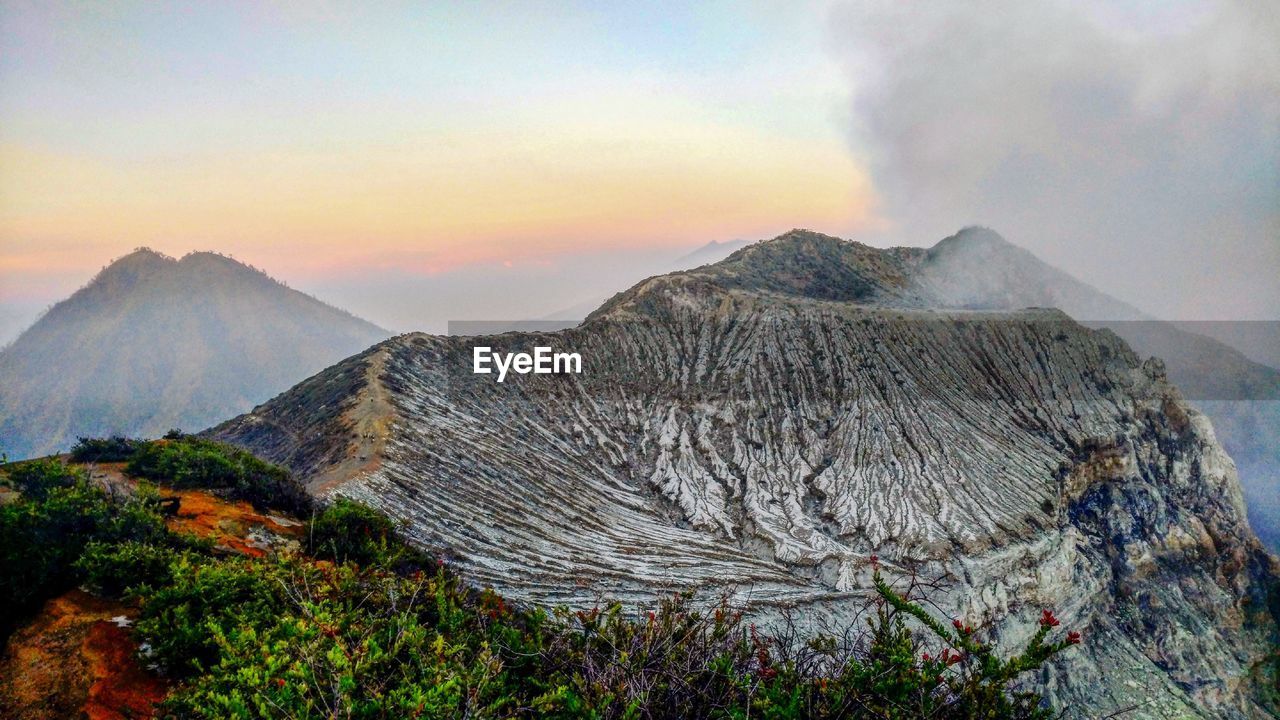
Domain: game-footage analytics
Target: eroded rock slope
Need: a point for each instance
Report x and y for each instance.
(764, 424)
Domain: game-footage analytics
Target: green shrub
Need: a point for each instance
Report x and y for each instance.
(308, 640)
(36, 478)
(966, 678)
(40, 539)
(101, 450)
(44, 533)
(112, 569)
(349, 531)
(190, 462)
(182, 619)
(356, 644)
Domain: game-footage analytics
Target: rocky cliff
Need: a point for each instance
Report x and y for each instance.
(978, 269)
(764, 424)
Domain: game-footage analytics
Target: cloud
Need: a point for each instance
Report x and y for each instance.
(1136, 146)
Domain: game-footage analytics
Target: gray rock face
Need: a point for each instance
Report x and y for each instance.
(764, 424)
(977, 269)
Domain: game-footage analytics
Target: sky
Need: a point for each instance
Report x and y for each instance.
(418, 162)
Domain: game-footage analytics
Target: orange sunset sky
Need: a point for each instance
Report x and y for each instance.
(312, 140)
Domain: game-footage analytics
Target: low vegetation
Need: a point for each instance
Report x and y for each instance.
(357, 624)
(44, 533)
(184, 462)
(104, 450)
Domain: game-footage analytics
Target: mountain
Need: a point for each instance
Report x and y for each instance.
(153, 343)
(978, 269)
(764, 424)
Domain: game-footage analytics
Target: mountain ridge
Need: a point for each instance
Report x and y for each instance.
(978, 269)
(737, 430)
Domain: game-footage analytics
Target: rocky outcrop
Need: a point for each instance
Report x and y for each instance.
(764, 424)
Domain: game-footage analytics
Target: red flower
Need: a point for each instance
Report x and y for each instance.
(957, 624)
(1047, 619)
(1073, 637)
(280, 682)
(926, 657)
(875, 562)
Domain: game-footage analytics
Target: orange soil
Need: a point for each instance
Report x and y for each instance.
(73, 661)
(229, 524)
(121, 689)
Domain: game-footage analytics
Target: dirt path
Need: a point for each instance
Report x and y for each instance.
(371, 419)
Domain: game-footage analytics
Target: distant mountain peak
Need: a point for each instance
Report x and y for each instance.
(807, 234)
(144, 251)
(206, 263)
(978, 268)
(141, 257)
(978, 234)
(983, 242)
(153, 343)
(800, 238)
(712, 252)
(202, 256)
(128, 269)
(712, 244)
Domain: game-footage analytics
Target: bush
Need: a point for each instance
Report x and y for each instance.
(182, 619)
(356, 644)
(101, 450)
(349, 531)
(138, 517)
(189, 462)
(39, 541)
(113, 569)
(35, 479)
(44, 533)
